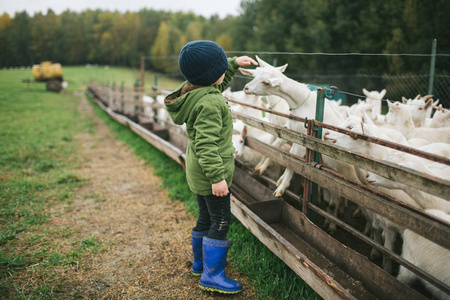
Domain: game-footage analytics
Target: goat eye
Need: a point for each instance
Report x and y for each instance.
(265, 83)
(420, 108)
(349, 127)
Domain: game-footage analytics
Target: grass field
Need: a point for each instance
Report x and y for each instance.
(38, 156)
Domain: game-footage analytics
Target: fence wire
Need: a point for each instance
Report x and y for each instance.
(350, 83)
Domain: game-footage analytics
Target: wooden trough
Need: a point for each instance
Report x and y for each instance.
(331, 268)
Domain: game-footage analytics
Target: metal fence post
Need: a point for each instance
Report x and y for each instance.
(320, 108)
(432, 65)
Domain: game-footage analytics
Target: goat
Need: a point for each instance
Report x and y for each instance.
(399, 117)
(374, 98)
(269, 80)
(419, 108)
(367, 127)
(428, 256)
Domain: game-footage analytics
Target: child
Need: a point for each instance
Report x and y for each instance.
(209, 156)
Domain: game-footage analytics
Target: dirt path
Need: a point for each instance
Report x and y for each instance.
(146, 235)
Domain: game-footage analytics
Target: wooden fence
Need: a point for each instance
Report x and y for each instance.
(328, 265)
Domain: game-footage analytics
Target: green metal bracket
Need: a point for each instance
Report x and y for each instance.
(320, 109)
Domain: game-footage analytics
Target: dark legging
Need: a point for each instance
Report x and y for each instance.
(214, 215)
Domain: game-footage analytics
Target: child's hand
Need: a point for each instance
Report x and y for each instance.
(245, 61)
(220, 189)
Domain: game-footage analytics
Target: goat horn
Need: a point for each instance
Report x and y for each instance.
(261, 62)
(425, 98)
(417, 97)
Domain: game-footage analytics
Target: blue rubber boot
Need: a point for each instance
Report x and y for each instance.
(214, 262)
(197, 242)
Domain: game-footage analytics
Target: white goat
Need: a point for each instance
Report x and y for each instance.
(248, 155)
(441, 118)
(148, 102)
(420, 108)
(161, 115)
(374, 98)
(367, 127)
(428, 256)
(424, 200)
(269, 80)
(399, 117)
(358, 109)
(244, 98)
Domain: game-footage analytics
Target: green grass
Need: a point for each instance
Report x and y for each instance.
(270, 276)
(38, 156)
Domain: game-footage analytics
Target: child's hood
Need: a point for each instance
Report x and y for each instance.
(180, 103)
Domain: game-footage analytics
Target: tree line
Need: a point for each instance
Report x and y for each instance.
(307, 26)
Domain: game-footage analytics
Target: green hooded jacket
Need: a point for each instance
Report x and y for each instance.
(209, 126)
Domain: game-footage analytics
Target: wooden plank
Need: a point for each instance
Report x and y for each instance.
(156, 141)
(321, 282)
(425, 182)
(406, 217)
(374, 279)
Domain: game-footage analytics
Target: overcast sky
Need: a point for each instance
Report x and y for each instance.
(200, 7)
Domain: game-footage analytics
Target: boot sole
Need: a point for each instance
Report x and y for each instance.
(210, 289)
(196, 274)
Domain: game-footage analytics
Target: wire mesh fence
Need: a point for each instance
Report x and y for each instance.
(349, 82)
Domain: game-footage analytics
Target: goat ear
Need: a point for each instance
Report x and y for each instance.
(261, 62)
(275, 82)
(404, 100)
(428, 103)
(248, 72)
(390, 104)
(282, 68)
(366, 92)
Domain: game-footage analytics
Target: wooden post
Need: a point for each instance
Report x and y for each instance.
(142, 71)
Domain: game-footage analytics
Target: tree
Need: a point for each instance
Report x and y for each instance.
(161, 48)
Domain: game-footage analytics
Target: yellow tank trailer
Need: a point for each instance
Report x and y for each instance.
(50, 73)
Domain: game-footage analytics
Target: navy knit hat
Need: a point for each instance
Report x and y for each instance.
(202, 62)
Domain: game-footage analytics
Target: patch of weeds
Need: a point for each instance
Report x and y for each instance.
(66, 195)
(11, 262)
(69, 178)
(90, 245)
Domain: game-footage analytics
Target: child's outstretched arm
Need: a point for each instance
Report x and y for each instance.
(233, 66)
(243, 61)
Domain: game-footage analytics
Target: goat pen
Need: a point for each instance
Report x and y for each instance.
(290, 226)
